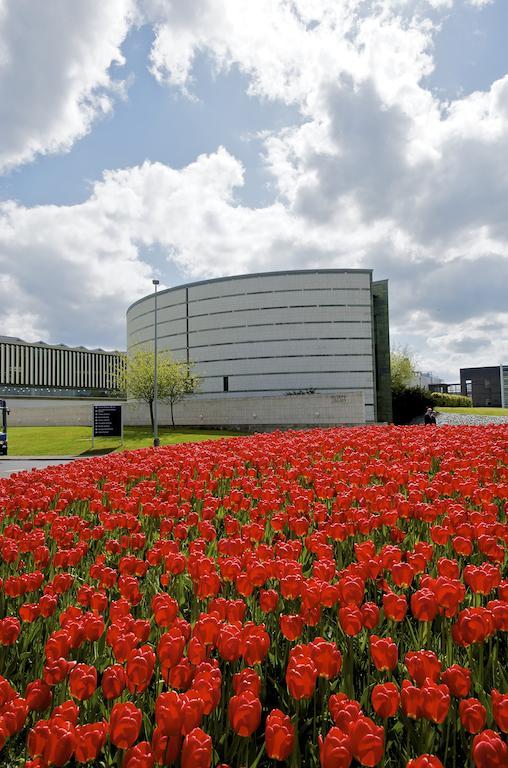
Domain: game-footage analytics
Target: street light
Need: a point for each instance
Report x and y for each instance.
(156, 441)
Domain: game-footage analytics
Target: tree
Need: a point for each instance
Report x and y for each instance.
(175, 380)
(402, 369)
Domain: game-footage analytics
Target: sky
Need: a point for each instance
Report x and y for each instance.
(187, 139)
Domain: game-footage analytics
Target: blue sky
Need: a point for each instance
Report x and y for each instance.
(209, 137)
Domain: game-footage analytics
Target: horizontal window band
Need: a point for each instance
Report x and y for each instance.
(245, 309)
(269, 357)
(226, 296)
(251, 325)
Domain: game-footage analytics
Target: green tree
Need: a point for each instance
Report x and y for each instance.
(402, 369)
(175, 380)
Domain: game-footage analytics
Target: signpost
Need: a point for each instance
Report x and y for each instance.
(107, 422)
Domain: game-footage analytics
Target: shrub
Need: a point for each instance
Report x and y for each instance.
(451, 401)
(409, 403)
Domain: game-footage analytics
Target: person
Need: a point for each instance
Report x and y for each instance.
(427, 416)
(433, 417)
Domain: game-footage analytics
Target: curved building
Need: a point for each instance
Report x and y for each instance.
(276, 333)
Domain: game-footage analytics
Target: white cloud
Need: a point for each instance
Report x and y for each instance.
(378, 173)
(54, 80)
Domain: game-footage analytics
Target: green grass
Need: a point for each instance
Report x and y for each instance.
(477, 411)
(76, 441)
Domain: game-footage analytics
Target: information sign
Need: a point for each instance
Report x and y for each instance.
(107, 421)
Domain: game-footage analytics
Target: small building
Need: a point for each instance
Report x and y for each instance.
(53, 383)
(487, 386)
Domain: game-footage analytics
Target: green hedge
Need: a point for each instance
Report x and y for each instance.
(409, 403)
(451, 401)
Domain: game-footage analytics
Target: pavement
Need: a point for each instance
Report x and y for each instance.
(11, 464)
(470, 420)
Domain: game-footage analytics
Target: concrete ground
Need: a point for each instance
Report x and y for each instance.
(8, 465)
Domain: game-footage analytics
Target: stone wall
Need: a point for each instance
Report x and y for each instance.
(253, 413)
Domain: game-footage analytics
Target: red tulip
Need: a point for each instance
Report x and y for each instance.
(350, 620)
(424, 605)
(500, 709)
(423, 665)
(435, 701)
(425, 761)
(113, 681)
(489, 750)
(168, 713)
(335, 749)
(247, 680)
(327, 658)
(291, 626)
(124, 725)
(279, 735)
(385, 699)
(9, 630)
(473, 715)
(458, 680)
(38, 696)
(370, 615)
(268, 600)
(139, 756)
(60, 742)
(244, 712)
(367, 741)
(83, 681)
(90, 740)
(384, 653)
(140, 666)
(301, 675)
(165, 748)
(394, 606)
(411, 700)
(255, 645)
(197, 750)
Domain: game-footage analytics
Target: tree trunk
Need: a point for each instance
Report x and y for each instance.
(172, 416)
(150, 405)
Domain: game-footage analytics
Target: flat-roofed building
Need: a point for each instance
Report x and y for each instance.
(487, 385)
(271, 334)
(39, 370)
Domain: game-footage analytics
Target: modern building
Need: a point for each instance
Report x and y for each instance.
(39, 370)
(486, 386)
(425, 380)
(274, 334)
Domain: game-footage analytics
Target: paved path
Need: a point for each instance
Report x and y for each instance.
(473, 419)
(10, 464)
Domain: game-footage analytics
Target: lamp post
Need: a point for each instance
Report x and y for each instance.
(156, 441)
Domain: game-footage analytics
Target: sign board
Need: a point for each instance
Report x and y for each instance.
(107, 421)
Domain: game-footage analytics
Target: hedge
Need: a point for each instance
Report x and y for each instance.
(451, 401)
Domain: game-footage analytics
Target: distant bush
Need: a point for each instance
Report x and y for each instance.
(451, 401)
(409, 402)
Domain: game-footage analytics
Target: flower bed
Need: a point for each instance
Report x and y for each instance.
(328, 597)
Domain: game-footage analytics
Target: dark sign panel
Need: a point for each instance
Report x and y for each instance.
(107, 421)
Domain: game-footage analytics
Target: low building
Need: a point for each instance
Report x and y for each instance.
(54, 383)
(276, 348)
(487, 386)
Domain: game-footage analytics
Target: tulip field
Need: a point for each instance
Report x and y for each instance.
(320, 598)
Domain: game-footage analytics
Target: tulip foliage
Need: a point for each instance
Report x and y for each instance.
(323, 598)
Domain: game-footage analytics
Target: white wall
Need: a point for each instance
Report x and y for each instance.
(269, 333)
(279, 410)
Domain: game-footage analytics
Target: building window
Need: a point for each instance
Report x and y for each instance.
(225, 383)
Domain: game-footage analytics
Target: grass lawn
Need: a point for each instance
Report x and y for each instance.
(76, 441)
(477, 411)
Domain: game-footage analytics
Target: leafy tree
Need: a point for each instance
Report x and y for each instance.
(175, 380)
(402, 369)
